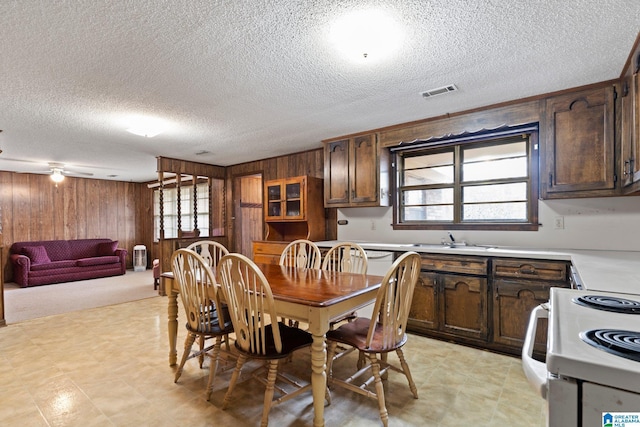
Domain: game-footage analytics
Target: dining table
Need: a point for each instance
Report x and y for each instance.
(315, 297)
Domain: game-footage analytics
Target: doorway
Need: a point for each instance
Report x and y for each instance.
(247, 206)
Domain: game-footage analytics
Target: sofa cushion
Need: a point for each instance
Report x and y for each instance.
(37, 254)
(53, 265)
(98, 260)
(107, 248)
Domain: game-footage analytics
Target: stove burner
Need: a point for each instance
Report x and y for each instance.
(618, 342)
(608, 303)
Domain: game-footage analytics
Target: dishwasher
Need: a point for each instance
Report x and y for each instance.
(378, 263)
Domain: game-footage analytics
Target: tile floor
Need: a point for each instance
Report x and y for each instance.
(109, 367)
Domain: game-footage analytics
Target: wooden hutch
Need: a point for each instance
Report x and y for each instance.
(293, 209)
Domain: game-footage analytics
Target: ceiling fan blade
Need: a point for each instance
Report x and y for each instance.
(9, 159)
(75, 173)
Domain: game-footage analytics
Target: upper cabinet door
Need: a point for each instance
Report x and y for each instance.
(579, 145)
(336, 173)
(356, 173)
(363, 168)
(630, 134)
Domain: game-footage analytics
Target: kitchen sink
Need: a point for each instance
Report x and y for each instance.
(428, 246)
(473, 248)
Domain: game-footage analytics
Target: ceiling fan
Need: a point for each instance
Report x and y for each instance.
(58, 172)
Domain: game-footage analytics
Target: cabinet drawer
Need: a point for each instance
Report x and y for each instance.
(517, 288)
(455, 264)
(271, 248)
(266, 259)
(530, 269)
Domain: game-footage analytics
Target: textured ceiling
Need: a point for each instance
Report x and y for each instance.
(244, 80)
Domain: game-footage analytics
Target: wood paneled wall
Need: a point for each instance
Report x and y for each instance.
(32, 207)
(310, 163)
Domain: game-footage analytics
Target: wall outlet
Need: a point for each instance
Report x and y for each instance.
(558, 223)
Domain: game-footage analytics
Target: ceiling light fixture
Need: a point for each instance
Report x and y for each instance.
(56, 175)
(146, 126)
(366, 35)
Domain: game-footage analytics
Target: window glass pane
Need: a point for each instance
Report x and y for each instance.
(516, 211)
(434, 168)
(507, 160)
(428, 160)
(495, 152)
(437, 175)
(494, 169)
(428, 197)
(495, 193)
(428, 213)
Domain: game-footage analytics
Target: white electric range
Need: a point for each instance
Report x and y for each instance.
(592, 369)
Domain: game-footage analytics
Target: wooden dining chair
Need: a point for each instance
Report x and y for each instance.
(206, 316)
(345, 257)
(301, 253)
(211, 251)
(383, 333)
(258, 333)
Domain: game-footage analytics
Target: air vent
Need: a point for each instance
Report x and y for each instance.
(438, 91)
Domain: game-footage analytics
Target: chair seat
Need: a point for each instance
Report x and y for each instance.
(292, 339)
(214, 328)
(355, 334)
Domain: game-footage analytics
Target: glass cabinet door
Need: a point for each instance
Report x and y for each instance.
(274, 201)
(285, 200)
(293, 200)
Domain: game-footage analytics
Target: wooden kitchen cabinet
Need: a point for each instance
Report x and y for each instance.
(294, 209)
(630, 134)
(519, 285)
(579, 145)
(451, 298)
(356, 172)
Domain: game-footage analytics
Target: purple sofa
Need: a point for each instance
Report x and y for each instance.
(54, 261)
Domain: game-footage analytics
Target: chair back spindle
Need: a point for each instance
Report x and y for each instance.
(346, 257)
(301, 253)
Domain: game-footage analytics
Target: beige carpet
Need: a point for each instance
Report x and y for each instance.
(39, 301)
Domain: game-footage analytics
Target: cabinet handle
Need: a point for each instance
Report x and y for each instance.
(550, 180)
(627, 167)
(527, 271)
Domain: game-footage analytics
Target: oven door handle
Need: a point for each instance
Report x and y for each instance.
(534, 370)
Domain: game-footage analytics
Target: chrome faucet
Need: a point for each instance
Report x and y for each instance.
(452, 243)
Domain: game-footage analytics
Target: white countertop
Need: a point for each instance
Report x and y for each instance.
(609, 271)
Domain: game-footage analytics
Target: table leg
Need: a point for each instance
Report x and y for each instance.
(172, 326)
(318, 377)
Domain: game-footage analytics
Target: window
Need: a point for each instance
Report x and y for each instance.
(170, 201)
(486, 181)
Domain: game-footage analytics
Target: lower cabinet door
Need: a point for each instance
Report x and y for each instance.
(423, 315)
(513, 302)
(464, 306)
